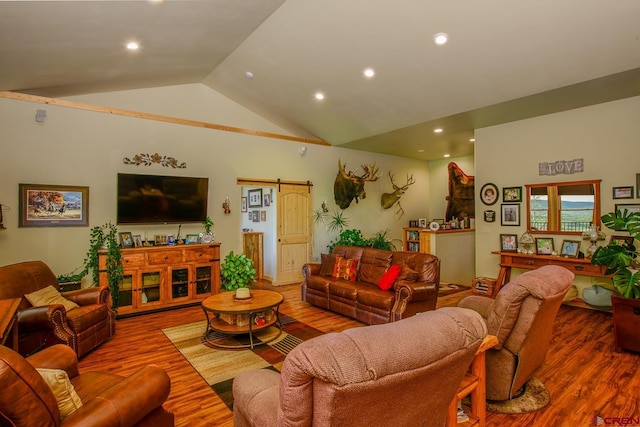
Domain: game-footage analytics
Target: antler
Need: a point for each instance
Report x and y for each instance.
(370, 172)
(410, 181)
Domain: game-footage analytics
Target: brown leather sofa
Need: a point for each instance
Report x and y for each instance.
(363, 299)
(108, 400)
(521, 316)
(349, 379)
(82, 328)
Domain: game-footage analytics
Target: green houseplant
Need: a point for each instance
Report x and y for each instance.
(207, 236)
(102, 237)
(622, 262)
(236, 271)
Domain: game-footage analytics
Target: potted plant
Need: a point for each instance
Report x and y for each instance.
(102, 237)
(622, 262)
(207, 236)
(236, 271)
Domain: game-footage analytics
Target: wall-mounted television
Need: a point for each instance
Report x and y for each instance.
(153, 199)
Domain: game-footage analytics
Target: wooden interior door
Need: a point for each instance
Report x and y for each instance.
(294, 232)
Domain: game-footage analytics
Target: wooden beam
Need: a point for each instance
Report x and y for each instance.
(147, 116)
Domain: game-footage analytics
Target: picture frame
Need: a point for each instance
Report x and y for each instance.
(570, 248)
(439, 221)
(630, 207)
(53, 205)
(621, 240)
(544, 245)
(191, 239)
(255, 216)
(126, 239)
(489, 216)
(263, 216)
(510, 214)
(243, 204)
(508, 243)
(638, 185)
(266, 199)
(422, 222)
(255, 198)
(137, 240)
(512, 194)
(623, 192)
(489, 194)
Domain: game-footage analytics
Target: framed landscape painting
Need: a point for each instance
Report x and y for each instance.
(53, 205)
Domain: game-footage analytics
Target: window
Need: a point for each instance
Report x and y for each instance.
(563, 208)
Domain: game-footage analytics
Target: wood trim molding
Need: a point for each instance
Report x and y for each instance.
(148, 116)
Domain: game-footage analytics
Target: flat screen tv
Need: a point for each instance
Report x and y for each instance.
(153, 199)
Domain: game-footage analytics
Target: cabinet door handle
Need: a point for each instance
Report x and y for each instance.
(579, 267)
(529, 262)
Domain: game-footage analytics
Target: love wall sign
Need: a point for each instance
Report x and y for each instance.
(561, 167)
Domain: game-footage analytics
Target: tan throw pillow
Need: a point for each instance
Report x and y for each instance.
(49, 296)
(66, 396)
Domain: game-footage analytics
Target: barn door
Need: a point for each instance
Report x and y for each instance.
(293, 232)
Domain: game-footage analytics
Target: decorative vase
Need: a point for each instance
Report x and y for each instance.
(206, 237)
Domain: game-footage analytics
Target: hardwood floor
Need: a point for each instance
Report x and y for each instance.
(585, 377)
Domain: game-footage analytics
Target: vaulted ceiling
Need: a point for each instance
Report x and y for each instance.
(505, 60)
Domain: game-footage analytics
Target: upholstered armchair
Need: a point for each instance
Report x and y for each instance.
(522, 317)
(69, 398)
(82, 328)
(404, 373)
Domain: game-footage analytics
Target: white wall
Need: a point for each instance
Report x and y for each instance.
(77, 147)
(606, 136)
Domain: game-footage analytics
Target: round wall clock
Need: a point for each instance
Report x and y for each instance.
(489, 194)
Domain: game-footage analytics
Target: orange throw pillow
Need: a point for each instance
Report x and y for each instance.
(345, 268)
(389, 278)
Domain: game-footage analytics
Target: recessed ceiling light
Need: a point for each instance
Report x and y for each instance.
(446, 156)
(421, 151)
(369, 73)
(472, 140)
(319, 96)
(133, 46)
(437, 130)
(248, 74)
(440, 38)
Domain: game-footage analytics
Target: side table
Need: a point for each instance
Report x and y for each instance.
(9, 320)
(474, 384)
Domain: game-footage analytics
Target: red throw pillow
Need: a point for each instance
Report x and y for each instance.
(345, 268)
(388, 279)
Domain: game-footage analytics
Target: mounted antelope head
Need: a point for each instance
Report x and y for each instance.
(389, 199)
(349, 186)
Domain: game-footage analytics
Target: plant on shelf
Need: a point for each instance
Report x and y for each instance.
(621, 258)
(236, 271)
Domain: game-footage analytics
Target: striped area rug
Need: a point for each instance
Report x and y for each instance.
(218, 367)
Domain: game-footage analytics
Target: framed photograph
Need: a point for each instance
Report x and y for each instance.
(126, 239)
(510, 214)
(638, 185)
(243, 204)
(489, 216)
(192, 239)
(263, 216)
(255, 216)
(439, 221)
(630, 207)
(422, 222)
(508, 243)
(53, 205)
(570, 248)
(266, 199)
(137, 240)
(544, 245)
(623, 192)
(489, 194)
(512, 194)
(622, 240)
(255, 198)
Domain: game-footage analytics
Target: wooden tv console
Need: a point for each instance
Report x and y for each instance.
(160, 277)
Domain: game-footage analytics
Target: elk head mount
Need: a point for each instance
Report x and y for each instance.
(349, 186)
(389, 199)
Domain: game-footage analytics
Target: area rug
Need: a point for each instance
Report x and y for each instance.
(218, 367)
(534, 397)
(450, 288)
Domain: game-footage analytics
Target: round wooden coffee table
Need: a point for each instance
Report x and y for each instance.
(228, 315)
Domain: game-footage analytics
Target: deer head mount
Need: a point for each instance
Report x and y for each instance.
(349, 186)
(389, 199)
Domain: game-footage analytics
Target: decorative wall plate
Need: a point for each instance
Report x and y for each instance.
(434, 226)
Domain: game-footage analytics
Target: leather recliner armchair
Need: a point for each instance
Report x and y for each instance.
(82, 328)
(108, 400)
(404, 373)
(521, 317)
